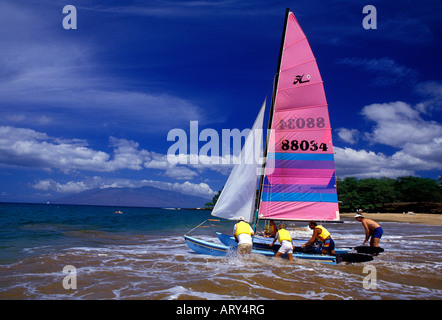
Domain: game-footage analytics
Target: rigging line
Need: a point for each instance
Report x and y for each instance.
(196, 227)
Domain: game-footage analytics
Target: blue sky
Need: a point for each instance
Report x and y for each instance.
(92, 107)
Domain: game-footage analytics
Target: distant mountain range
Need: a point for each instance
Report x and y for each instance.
(133, 197)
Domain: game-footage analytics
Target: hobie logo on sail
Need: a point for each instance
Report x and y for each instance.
(301, 79)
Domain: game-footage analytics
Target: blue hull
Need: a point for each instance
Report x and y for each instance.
(204, 247)
(214, 249)
(260, 242)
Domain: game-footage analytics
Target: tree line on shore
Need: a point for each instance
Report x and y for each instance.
(389, 195)
(384, 194)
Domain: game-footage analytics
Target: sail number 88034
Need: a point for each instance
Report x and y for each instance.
(303, 145)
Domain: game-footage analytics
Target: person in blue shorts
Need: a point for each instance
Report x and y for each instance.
(372, 230)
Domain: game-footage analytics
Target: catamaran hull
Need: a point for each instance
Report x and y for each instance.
(205, 247)
(214, 249)
(263, 243)
(258, 242)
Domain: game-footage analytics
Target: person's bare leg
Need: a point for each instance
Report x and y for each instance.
(375, 242)
(278, 255)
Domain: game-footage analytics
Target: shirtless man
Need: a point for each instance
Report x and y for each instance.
(372, 229)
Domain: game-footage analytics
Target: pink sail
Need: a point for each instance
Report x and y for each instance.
(300, 179)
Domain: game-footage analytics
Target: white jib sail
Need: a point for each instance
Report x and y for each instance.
(239, 193)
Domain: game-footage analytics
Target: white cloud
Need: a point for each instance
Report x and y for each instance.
(52, 185)
(22, 147)
(398, 125)
(180, 173)
(432, 92)
(197, 189)
(415, 141)
(363, 164)
(421, 156)
(418, 143)
(29, 148)
(189, 188)
(126, 155)
(350, 136)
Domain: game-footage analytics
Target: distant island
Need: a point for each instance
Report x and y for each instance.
(133, 197)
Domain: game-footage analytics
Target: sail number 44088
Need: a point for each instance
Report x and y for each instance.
(301, 123)
(303, 145)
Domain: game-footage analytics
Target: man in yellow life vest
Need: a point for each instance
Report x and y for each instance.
(321, 234)
(283, 236)
(243, 235)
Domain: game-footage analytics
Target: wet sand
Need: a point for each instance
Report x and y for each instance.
(419, 218)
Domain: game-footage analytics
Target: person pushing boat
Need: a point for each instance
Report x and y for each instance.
(321, 234)
(284, 237)
(372, 229)
(243, 235)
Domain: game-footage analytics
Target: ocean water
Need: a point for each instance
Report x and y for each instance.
(141, 254)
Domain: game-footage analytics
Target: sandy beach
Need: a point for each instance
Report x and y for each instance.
(420, 218)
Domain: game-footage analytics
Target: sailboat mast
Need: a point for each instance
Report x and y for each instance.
(272, 107)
